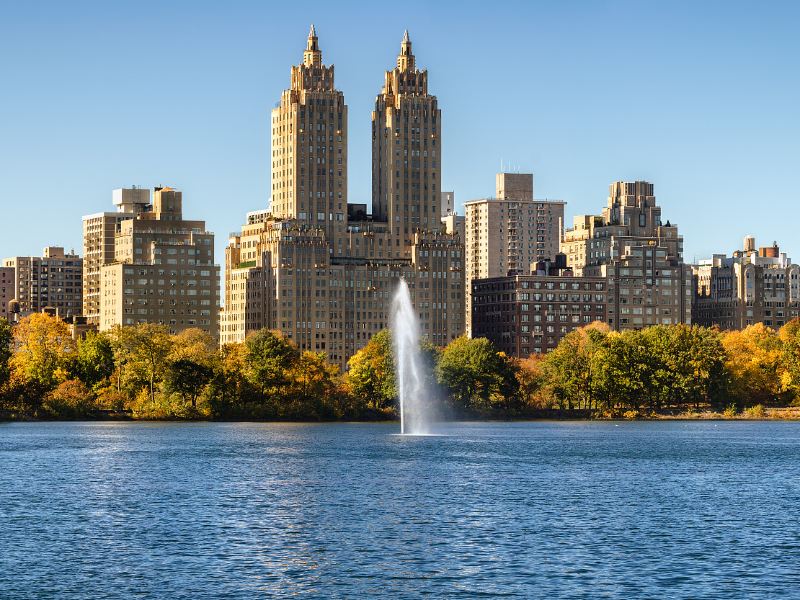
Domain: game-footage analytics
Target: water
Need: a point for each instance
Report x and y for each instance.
(587, 510)
(416, 400)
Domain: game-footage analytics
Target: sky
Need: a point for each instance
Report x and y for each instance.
(700, 98)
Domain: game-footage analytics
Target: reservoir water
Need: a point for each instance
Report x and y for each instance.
(543, 509)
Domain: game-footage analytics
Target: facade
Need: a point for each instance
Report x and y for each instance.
(162, 270)
(640, 257)
(506, 234)
(530, 314)
(7, 282)
(455, 224)
(51, 281)
(406, 154)
(751, 286)
(327, 283)
(99, 233)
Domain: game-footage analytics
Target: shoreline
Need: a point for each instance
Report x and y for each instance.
(788, 414)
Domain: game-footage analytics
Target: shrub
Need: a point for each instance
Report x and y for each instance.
(70, 400)
(755, 412)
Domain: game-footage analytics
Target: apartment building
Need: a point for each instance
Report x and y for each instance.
(52, 281)
(753, 285)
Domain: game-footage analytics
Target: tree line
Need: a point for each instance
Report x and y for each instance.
(145, 372)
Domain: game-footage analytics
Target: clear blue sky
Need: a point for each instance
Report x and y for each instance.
(701, 98)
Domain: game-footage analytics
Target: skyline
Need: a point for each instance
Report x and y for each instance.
(207, 131)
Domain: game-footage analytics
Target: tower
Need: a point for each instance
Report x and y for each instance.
(406, 154)
(309, 148)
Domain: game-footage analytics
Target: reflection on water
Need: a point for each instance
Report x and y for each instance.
(527, 509)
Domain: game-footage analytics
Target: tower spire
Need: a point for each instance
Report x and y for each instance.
(312, 55)
(405, 60)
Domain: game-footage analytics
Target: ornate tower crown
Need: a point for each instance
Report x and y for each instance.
(312, 55)
(405, 60)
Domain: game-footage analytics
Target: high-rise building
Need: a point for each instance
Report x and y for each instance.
(309, 148)
(99, 232)
(156, 268)
(51, 281)
(751, 286)
(506, 234)
(406, 154)
(640, 256)
(326, 281)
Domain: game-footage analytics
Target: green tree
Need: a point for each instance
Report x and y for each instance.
(6, 338)
(191, 364)
(476, 375)
(570, 366)
(94, 362)
(268, 358)
(140, 353)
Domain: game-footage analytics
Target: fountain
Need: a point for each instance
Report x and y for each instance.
(412, 389)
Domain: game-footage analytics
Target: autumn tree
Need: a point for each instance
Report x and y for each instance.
(44, 350)
(371, 374)
(754, 362)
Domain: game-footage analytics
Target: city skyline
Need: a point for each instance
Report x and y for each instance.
(200, 127)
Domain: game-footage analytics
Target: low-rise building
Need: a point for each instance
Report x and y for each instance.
(750, 286)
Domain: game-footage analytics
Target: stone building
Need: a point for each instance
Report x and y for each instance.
(323, 272)
(530, 314)
(7, 282)
(162, 269)
(51, 281)
(99, 233)
(639, 256)
(504, 235)
(750, 286)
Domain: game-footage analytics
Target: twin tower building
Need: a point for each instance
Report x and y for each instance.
(322, 270)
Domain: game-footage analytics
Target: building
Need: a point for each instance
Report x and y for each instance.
(504, 235)
(99, 233)
(321, 270)
(455, 224)
(448, 203)
(530, 314)
(640, 258)
(406, 159)
(750, 286)
(7, 282)
(162, 269)
(51, 281)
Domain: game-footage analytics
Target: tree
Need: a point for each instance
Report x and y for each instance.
(191, 364)
(570, 366)
(789, 336)
(477, 376)
(754, 364)
(6, 338)
(140, 353)
(268, 358)
(44, 351)
(371, 374)
(314, 386)
(94, 362)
